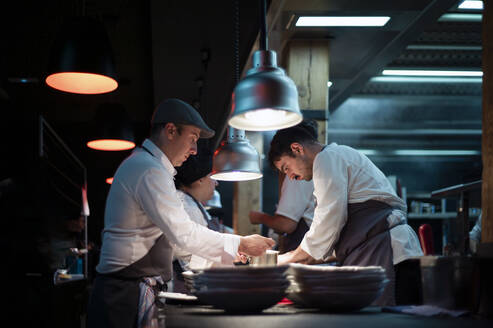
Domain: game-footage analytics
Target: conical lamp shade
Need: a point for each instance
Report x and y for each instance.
(236, 160)
(81, 59)
(113, 129)
(266, 99)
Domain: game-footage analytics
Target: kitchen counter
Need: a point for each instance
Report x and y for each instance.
(287, 316)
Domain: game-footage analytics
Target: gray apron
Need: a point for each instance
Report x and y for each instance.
(114, 299)
(365, 241)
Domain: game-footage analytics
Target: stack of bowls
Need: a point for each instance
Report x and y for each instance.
(240, 289)
(336, 289)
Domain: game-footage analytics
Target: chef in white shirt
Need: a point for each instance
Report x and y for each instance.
(144, 220)
(294, 212)
(358, 214)
(195, 187)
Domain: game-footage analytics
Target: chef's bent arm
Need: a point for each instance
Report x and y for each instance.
(330, 177)
(157, 196)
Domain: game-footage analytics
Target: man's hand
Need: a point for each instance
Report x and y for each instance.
(296, 256)
(255, 217)
(255, 245)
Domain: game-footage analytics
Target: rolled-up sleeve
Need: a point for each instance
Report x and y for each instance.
(330, 178)
(156, 194)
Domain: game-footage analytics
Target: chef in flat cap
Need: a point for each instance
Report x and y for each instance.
(145, 219)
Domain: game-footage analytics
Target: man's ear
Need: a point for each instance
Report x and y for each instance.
(297, 148)
(170, 130)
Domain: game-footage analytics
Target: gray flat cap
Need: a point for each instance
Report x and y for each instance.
(176, 111)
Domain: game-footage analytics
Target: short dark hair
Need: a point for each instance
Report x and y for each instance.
(156, 128)
(303, 133)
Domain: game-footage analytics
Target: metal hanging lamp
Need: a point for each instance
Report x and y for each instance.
(236, 159)
(266, 99)
(113, 129)
(81, 60)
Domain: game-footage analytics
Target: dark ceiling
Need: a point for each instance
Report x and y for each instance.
(185, 49)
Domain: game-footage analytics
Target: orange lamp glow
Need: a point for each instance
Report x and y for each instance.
(110, 144)
(82, 83)
(109, 180)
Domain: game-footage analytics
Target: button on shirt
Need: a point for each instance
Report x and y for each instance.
(342, 176)
(297, 200)
(143, 204)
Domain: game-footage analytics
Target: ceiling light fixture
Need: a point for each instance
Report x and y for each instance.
(81, 59)
(341, 21)
(236, 159)
(113, 131)
(329, 84)
(471, 4)
(457, 17)
(266, 99)
(425, 79)
(420, 152)
(413, 72)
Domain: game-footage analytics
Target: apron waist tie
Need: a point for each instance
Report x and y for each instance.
(149, 288)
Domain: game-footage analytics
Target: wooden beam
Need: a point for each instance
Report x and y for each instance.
(308, 66)
(487, 142)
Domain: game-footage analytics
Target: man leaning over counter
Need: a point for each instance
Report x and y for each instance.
(145, 219)
(357, 213)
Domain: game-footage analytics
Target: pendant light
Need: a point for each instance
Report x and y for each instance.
(266, 99)
(236, 159)
(81, 59)
(113, 129)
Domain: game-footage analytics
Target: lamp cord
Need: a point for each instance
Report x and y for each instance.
(236, 42)
(234, 134)
(263, 25)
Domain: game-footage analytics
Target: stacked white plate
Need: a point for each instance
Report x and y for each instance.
(240, 289)
(337, 289)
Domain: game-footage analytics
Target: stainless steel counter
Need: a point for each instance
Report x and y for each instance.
(287, 316)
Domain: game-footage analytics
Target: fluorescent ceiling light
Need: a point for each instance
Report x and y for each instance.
(342, 20)
(443, 47)
(410, 79)
(368, 152)
(407, 72)
(329, 84)
(461, 18)
(471, 4)
(426, 152)
(420, 152)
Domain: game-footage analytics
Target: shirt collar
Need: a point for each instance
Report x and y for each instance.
(158, 153)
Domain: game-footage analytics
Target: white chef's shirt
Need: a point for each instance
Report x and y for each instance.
(195, 214)
(342, 176)
(297, 200)
(143, 204)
